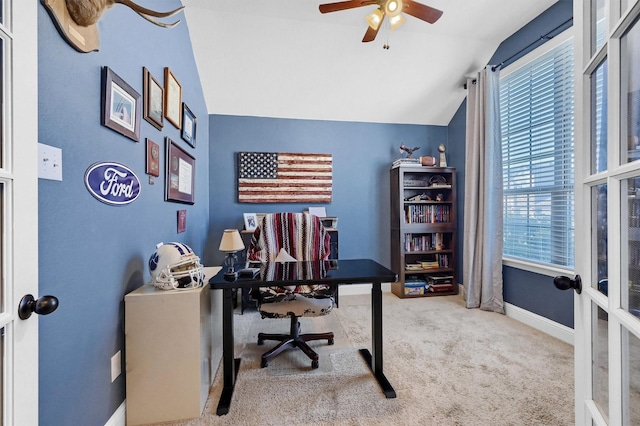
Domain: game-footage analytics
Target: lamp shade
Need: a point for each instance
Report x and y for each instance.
(375, 18)
(396, 21)
(231, 241)
(393, 7)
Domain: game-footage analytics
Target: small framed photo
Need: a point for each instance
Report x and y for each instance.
(172, 98)
(250, 221)
(189, 122)
(121, 105)
(180, 174)
(153, 99)
(153, 158)
(182, 221)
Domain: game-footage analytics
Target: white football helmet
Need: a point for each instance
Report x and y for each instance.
(174, 266)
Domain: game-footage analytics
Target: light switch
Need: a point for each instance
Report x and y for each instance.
(49, 162)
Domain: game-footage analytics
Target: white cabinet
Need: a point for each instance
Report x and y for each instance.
(168, 343)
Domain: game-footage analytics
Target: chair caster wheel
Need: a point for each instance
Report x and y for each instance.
(314, 364)
(263, 364)
(331, 341)
(260, 342)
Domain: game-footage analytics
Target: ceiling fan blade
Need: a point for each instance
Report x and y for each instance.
(371, 34)
(421, 11)
(344, 5)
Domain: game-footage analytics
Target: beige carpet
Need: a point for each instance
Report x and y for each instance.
(449, 366)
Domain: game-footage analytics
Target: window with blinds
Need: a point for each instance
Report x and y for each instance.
(536, 112)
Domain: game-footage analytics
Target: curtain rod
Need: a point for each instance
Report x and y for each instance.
(545, 37)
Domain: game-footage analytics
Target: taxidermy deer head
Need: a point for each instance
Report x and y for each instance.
(76, 19)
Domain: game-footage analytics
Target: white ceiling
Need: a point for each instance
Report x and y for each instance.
(283, 58)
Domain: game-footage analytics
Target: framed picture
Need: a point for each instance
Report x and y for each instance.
(121, 105)
(250, 221)
(189, 122)
(153, 99)
(182, 221)
(180, 174)
(172, 98)
(153, 158)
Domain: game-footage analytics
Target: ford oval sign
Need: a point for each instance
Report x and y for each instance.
(112, 183)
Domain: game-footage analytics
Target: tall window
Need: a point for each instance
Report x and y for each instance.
(536, 111)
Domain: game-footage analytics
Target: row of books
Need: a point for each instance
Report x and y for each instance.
(438, 261)
(439, 283)
(415, 285)
(424, 242)
(429, 213)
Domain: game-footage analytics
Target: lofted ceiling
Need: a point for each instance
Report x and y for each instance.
(284, 59)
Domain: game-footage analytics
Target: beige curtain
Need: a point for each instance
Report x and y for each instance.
(482, 253)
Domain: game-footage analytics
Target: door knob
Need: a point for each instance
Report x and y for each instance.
(43, 306)
(565, 283)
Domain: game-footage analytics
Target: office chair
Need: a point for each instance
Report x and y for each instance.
(292, 237)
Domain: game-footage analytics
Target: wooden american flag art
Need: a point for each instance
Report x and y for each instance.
(282, 177)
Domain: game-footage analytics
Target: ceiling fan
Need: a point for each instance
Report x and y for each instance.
(391, 8)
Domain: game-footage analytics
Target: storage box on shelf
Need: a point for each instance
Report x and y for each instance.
(423, 230)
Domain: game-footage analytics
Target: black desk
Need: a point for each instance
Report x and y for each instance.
(338, 272)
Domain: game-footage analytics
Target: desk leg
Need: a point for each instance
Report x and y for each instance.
(229, 364)
(375, 362)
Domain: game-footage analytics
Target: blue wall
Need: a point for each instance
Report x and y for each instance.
(92, 254)
(362, 156)
(533, 292)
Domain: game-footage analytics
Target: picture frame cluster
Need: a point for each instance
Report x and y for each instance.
(161, 102)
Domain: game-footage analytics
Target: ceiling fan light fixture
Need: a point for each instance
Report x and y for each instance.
(375, 18)
(393, 8)
(396, 21)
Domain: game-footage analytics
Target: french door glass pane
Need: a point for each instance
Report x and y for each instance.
(630, 97)
(599, 202)
(631, 231)
(599, 119)
(2, 370)
(600, 25)
(624, 4)
(631, 375)
(600, 354)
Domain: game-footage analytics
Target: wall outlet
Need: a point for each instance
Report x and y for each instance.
(116, 366)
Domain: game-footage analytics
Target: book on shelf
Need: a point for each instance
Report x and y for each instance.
(406, 162)
(437, 288)
(440, 280)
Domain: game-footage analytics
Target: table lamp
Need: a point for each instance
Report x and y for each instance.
(231, 244)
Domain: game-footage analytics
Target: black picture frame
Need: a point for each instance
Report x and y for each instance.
(180, 174)
(121, 105)
(153, 99)
(189, 123)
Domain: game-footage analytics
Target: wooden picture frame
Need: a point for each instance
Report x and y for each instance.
(153, 99)
(172, 98)
(121, 107)
(189, 122)
(153, 158)
(180, 174)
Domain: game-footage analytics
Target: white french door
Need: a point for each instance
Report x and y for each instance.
(607, 141)
(18, 209)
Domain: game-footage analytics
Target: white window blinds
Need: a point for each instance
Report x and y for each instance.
(536, 112)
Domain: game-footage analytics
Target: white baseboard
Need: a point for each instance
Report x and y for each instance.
(541, 323)
(119, 416)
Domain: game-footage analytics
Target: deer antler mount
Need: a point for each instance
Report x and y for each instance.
(76, 19)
